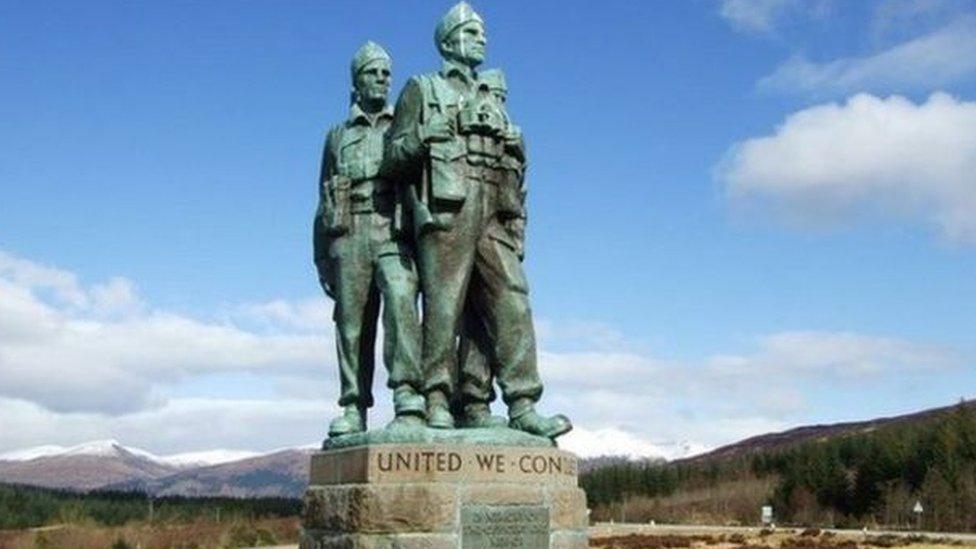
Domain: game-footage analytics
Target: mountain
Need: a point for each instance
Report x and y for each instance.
(281, 474)
(83, 467)
(108, 465)
(776, 441)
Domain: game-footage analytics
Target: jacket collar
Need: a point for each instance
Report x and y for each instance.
(460, 70)
(357, 116)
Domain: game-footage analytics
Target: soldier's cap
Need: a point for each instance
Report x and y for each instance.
(494, 79)
(461, 13)
(368, 53)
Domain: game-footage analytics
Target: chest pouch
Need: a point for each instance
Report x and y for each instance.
(448, 188)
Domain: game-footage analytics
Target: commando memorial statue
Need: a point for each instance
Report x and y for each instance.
(422, 216)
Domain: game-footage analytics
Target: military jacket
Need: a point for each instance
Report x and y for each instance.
(440, 169)
(350, 178)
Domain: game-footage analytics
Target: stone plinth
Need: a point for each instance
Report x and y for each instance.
(444, 495)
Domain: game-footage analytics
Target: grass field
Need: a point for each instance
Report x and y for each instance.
(191, 535)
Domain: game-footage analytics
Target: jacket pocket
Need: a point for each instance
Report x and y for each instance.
(448, 187)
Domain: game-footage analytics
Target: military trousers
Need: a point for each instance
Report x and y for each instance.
(468, 270)
(368, 264)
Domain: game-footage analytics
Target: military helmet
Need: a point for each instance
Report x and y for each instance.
(461, 13)
(369, 52)
(494, 79)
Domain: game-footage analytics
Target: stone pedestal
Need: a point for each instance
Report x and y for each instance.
(444, 495)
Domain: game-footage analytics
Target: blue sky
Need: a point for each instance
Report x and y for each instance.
(744, 215)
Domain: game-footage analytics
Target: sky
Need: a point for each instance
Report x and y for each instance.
(744, 215)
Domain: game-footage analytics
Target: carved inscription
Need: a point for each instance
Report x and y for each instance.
(507, 526)
(428, 461)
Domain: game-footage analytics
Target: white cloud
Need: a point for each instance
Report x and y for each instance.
(933, 60)
(180, 425)
(762, 16)
(311, 315)
(835, 355)
(871, 156)
(98, 349)
(94, 362)
(33, 276)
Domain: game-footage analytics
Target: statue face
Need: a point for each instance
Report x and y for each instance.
(373, 81)
(467, 44)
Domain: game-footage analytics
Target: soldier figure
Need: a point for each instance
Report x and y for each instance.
(448, 144)
(475, 373)
(363, 253)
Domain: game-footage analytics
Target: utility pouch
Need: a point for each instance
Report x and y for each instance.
(337, 212)
(448, 187)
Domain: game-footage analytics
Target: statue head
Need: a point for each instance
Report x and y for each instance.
(495, 80)
(371, 74)
(460, 36)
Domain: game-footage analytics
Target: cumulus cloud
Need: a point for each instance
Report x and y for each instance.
(879, 157)
(936, 59)
(83, 362)
(73, 348)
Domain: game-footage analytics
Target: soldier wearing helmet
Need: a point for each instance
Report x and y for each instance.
(362, 254)
(448, 144)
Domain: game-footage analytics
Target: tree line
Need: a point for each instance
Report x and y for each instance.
(28, 507)
(874, 477)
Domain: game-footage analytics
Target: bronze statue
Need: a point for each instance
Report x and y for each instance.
(363, 253)
(452, 147)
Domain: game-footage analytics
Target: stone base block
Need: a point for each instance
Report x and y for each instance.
(444, 497)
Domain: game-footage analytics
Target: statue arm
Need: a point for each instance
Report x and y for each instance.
(517, 223)
(405, 147)
(320, 239)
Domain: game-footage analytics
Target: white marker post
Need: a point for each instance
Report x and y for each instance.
(918, 514)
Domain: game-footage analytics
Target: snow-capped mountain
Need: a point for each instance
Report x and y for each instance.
(108, 464)
(85, 466)
(112, 448)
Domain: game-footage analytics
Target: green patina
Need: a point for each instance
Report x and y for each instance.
(431, 199)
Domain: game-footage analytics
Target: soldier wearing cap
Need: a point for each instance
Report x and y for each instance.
(447, 144)
(363, 254)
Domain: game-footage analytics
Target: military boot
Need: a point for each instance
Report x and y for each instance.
(352, 420)
(522, 416)
(408, 406)
(438, 412)
(478, 414)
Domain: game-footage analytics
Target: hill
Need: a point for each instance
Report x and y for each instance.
(850, 474)
(84, 467)
(278, 474)
(777, 441)
(108, 465)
